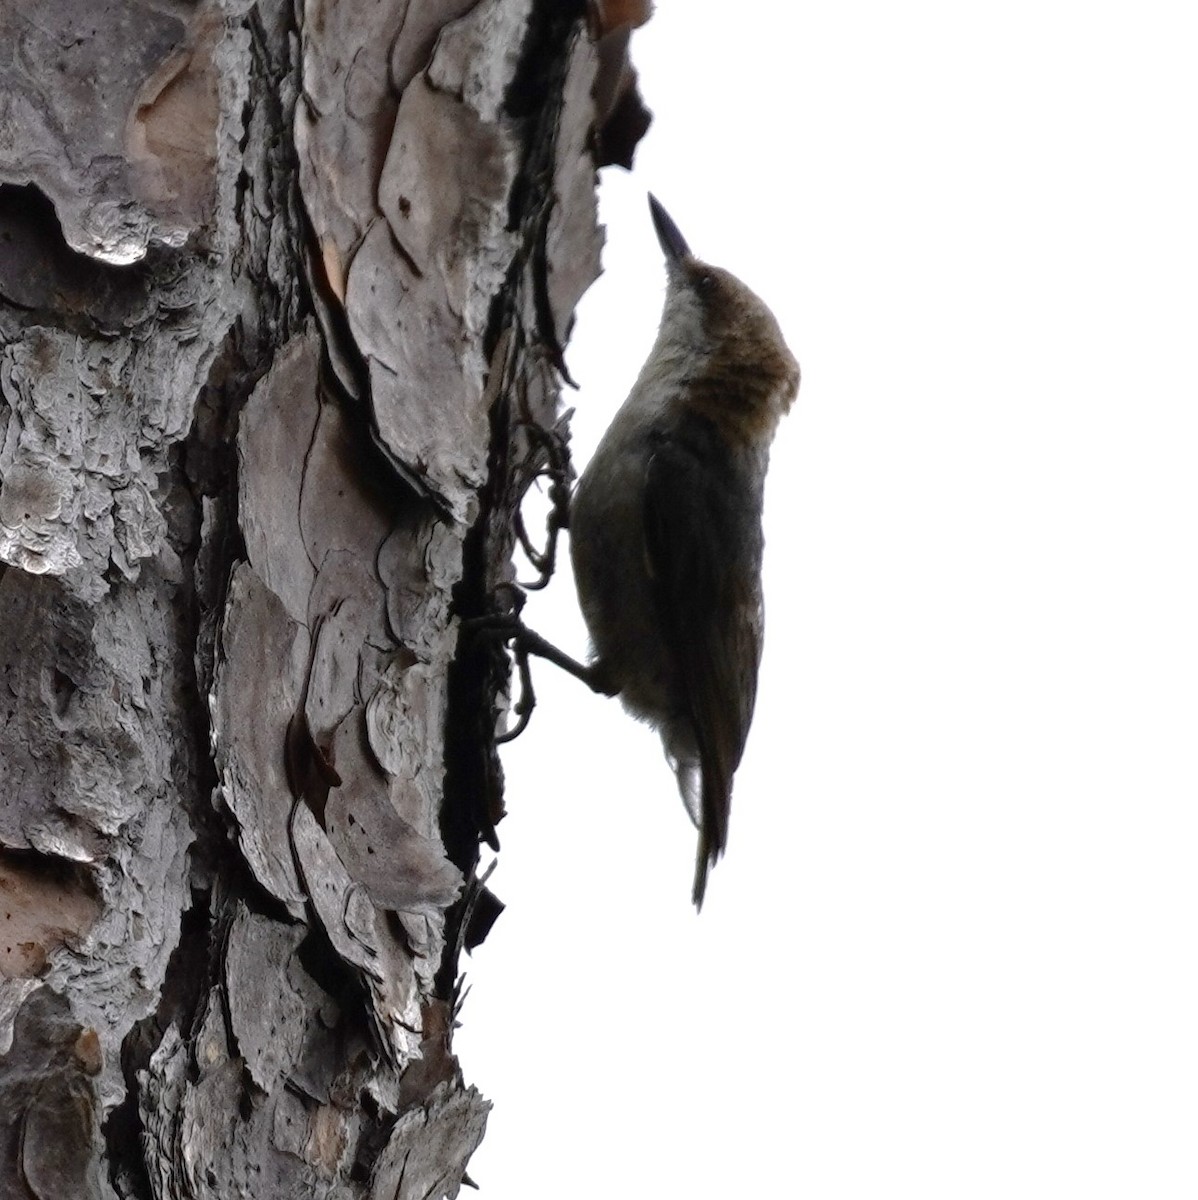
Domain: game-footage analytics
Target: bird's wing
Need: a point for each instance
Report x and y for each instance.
(703, 547)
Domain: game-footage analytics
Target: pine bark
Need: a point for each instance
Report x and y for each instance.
(283, 295)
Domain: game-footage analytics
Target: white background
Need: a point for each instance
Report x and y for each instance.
(952, 949)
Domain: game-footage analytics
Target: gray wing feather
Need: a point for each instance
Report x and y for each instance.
(703, 545)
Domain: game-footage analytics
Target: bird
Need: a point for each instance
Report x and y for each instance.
(665, 530)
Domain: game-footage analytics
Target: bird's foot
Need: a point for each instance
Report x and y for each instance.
(509, 629)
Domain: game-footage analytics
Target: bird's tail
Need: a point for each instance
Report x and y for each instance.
(715, 797)
(705, 784)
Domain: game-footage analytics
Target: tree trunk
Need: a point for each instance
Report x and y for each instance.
(283, 292)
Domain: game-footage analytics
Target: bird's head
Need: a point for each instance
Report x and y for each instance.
(729, 329)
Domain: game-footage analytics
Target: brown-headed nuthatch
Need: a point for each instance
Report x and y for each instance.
(665, 529)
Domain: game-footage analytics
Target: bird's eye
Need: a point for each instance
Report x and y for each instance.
(707, 281)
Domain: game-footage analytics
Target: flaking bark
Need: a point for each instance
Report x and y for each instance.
(283, 296)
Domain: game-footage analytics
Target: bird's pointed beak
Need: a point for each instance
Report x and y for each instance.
(672, 242)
